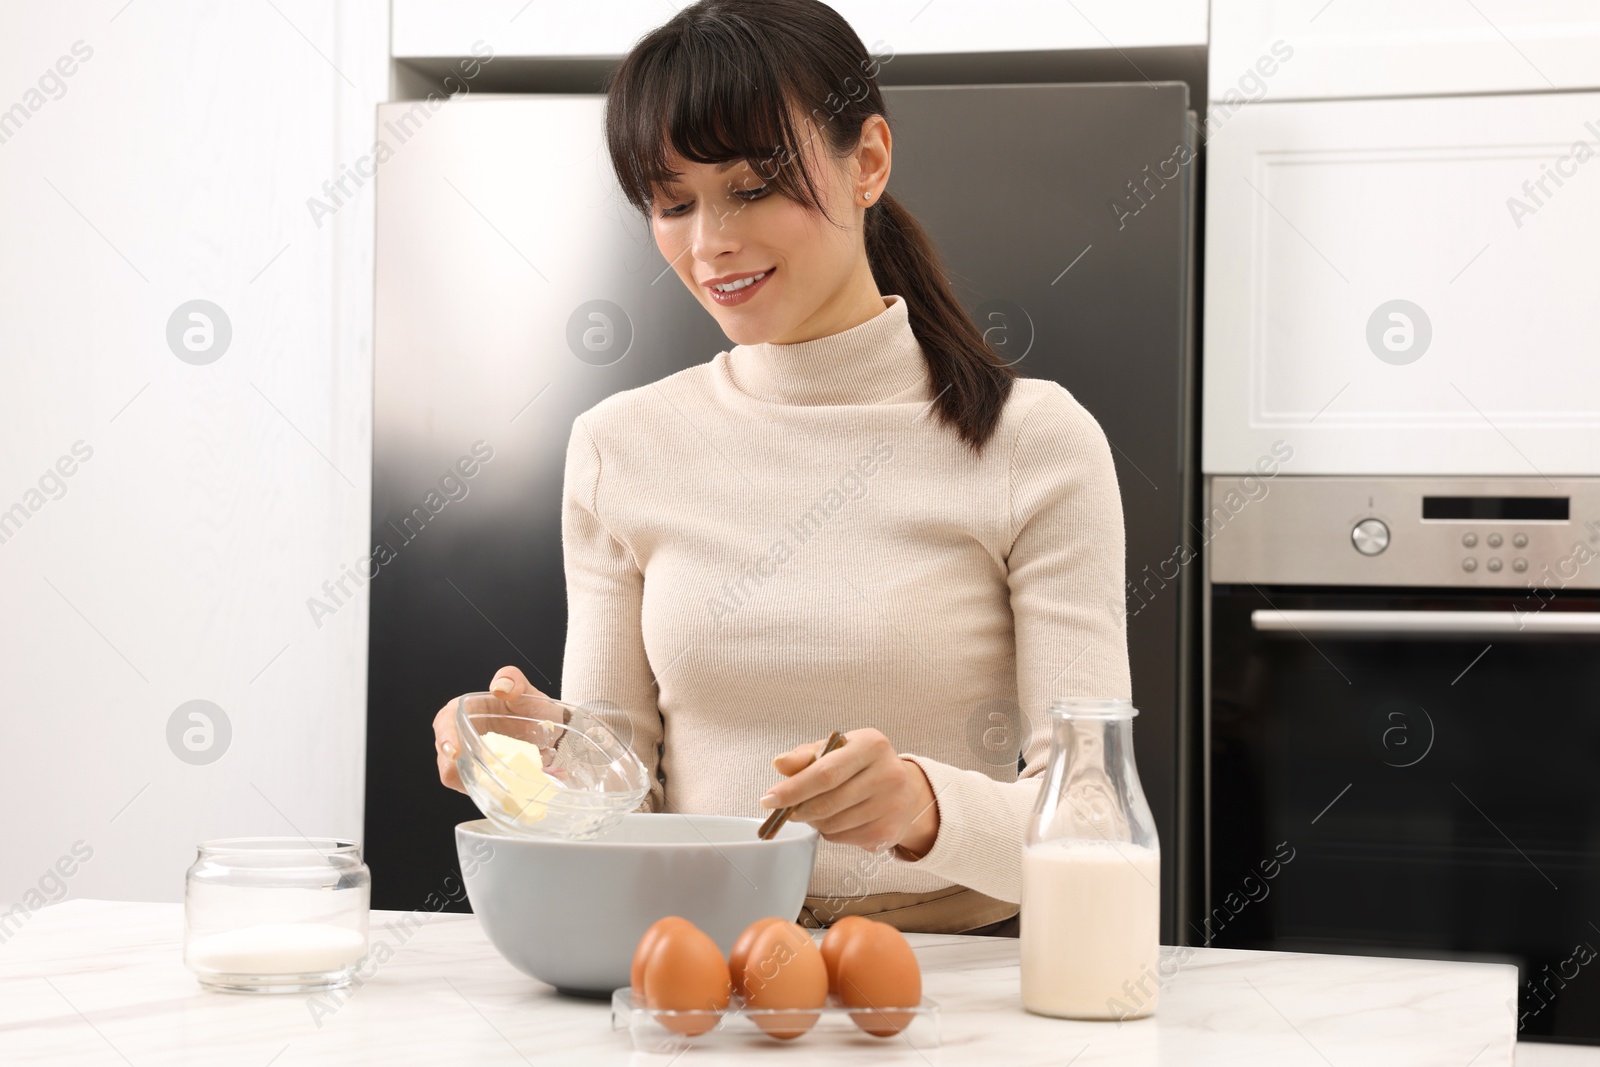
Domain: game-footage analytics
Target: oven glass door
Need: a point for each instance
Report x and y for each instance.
(1396, 783)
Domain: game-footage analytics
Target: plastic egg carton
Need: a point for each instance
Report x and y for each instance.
(739, 1026)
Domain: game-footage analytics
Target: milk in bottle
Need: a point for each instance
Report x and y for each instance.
(1091, 872)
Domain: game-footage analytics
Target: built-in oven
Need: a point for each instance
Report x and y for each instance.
(1402, 726)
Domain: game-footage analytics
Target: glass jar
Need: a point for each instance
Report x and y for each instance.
(1091, 873)
(276, 914)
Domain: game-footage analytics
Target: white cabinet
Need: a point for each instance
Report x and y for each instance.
(426, 28)
(1405, 286)
(1348, 48)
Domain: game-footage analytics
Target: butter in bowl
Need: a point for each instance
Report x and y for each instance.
(543, 768)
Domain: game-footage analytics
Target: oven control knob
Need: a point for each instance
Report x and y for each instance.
(1370, 537)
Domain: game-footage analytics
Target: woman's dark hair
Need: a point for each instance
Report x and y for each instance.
(722, 81)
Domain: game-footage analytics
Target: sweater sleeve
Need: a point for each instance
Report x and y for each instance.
(605, 668)
(1065, 575)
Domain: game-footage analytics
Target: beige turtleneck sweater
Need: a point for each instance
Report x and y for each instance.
(785, 541)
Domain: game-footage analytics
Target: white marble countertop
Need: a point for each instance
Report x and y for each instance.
(97, 982)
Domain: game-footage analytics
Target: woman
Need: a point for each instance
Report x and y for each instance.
(856, 518)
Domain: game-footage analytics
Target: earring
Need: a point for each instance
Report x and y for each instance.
(866, 196)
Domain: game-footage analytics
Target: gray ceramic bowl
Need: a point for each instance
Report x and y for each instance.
(570, 913)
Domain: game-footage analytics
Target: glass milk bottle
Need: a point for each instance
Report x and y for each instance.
(1091, 873)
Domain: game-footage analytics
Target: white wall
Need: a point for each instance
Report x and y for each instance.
(176, 164)
(539, 28)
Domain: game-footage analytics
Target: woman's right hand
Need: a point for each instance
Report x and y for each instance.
(510, 686)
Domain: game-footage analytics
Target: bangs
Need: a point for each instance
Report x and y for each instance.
(711, 97)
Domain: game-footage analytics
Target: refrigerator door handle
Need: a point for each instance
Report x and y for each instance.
(1428, 624)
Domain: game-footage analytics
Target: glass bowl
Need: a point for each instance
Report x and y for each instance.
(541, 768)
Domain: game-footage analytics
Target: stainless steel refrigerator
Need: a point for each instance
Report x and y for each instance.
(515, 289)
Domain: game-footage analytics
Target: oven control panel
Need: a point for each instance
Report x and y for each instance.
(1520, 533)
(1494, 560)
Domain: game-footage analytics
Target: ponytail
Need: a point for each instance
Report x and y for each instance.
(970, 382)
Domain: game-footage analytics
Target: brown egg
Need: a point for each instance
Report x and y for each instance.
(685, 972)
(741, 950)
(878, 970)
(647, 944)
(833, 943)
(785, 970)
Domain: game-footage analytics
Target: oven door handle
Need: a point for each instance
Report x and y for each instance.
(1430, 624)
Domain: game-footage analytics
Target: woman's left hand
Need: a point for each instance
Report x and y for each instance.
(862, 793)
